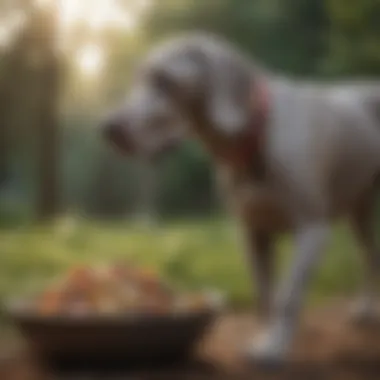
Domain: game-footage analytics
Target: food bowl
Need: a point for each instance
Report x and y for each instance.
(114, 341)
(113, 316)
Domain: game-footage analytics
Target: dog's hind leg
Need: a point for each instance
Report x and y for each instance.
(363, 225)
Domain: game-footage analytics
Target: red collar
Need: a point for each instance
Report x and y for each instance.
(253, 139)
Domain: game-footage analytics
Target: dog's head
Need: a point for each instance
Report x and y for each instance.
(194, 84)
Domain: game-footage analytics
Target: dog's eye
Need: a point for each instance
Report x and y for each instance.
(162, 82)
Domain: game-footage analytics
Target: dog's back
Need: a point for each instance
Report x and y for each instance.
(324, 141)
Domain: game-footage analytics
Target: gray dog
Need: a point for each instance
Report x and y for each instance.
(290, 157)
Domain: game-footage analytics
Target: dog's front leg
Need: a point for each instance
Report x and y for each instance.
(273, 346)
(260, 256)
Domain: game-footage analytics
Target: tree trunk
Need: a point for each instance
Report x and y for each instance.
(4, 140)
(48, 195)
(13, 61)
(48, 119)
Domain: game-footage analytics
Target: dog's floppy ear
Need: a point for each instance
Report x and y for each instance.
(179, 77)
(228, 100)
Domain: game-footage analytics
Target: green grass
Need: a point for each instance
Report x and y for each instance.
(191, 254)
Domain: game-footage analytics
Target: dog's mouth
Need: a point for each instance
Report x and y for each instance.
(126, 145)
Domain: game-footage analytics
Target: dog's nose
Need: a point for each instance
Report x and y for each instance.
(117, 134)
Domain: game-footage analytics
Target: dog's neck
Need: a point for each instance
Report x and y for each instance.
(251, 150)
(244, 151)
(248, 153)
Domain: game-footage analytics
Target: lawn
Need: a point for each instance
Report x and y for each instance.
(192, 254)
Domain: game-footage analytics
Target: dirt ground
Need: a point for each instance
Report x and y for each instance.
(328, 347)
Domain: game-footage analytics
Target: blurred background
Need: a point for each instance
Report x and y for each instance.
(67, 198)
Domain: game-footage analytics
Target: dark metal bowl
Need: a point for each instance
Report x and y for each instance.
(111, 341)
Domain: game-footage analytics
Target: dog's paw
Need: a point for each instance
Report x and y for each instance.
(268, 352)
(363, 312)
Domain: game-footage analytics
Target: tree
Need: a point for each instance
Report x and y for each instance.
(47, 69)
(354, 38)
(12, 69)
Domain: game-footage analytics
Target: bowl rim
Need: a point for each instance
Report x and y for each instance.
(20, 310)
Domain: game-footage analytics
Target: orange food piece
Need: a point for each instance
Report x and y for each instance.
(81, 279)
(50, 302)
(148, 275)
(123, 271)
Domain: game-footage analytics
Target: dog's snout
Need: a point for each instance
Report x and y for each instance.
(117, 134)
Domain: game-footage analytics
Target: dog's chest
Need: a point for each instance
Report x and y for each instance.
(256, 202)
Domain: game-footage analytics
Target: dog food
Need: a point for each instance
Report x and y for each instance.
(115, 289)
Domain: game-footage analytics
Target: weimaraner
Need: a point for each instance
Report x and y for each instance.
(291, 157)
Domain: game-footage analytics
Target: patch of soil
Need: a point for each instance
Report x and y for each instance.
(327, 347)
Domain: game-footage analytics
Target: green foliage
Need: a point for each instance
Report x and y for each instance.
(354, 38)
(187, 183)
